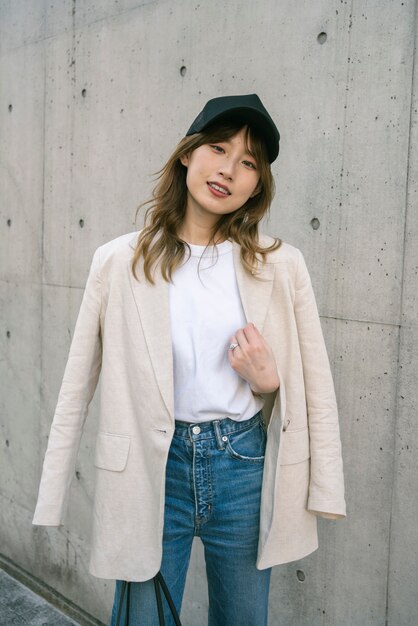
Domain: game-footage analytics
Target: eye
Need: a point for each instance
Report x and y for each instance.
(217, 149)
(250, 164)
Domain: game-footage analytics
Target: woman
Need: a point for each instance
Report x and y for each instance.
(218, 415)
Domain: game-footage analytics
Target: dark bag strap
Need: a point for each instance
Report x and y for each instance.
(122, 595)
(128, 602)
(158, 582)
(159, 601)
(161, 581)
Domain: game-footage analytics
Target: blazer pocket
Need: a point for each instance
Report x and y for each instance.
(111, 451)
(295, 446)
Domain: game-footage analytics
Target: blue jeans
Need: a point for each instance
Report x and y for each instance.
(213, 485)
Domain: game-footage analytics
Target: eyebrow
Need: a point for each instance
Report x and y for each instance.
(229, 141)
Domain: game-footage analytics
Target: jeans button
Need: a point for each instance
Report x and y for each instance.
(224, 438)
(196, 430)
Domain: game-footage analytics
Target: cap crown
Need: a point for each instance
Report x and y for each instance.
(247, 109)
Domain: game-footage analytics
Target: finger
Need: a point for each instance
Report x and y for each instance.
(251, 333)
(233, 341)
(241, 338)
(231, 355)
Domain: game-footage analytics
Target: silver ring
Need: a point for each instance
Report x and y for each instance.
(232, 346)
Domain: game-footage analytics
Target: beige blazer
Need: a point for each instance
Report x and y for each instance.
(123, 333)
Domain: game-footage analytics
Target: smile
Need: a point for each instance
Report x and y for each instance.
(220, 189)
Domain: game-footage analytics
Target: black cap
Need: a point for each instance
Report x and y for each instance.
(246, 109)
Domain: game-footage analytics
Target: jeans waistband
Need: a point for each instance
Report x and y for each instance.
(214, 428)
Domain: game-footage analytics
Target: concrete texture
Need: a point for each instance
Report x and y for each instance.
(93, 98)
(19, 606)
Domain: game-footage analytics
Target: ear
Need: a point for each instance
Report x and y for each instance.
(184, 160)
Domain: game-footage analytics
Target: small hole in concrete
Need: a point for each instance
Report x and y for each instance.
(322, 37)
(81, 222)
(300, 575)
(78, 475)
(8, 334)
(84, 92)
(10, 107)
(9, 222)
(7, 443)
(183, 70)
(315, 223)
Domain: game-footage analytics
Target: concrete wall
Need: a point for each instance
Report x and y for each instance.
(93, 97)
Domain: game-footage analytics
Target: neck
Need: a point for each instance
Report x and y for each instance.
(198, 236)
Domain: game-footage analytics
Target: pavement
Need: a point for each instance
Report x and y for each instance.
(19, 606)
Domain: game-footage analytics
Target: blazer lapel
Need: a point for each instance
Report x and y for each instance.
(255, 292)
(152, 302)
(154, 311)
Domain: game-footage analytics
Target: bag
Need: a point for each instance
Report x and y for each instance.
(158, 582)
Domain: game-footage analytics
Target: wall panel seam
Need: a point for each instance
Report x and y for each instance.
(400, 336)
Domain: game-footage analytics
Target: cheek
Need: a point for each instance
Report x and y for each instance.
(252, 186)
(191, 173)
(195, 175)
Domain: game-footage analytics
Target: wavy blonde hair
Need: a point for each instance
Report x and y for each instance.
(158, 240)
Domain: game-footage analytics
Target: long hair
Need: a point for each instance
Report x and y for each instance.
(158, 240)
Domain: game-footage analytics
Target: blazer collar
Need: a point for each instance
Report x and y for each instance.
(152, 302)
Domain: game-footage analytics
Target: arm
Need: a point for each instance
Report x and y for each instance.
(78, 386)
(326, 488)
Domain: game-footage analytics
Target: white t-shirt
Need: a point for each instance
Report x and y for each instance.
(206, 310)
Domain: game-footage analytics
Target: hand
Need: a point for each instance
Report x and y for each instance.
(254, 360)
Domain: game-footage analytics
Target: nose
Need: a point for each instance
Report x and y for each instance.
(227, 168)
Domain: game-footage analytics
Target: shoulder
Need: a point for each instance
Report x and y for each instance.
(119, 243)
(288, 260)
(285, 253)
(119, 247)
(113, 254)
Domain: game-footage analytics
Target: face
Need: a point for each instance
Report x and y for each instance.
(221, 177)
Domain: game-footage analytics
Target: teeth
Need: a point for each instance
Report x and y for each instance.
(221, 189)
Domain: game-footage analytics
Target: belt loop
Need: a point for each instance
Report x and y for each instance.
(217, 430)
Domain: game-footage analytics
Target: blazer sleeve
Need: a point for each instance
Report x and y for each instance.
(77, 390)
(326, 487)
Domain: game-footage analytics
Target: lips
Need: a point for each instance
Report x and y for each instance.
(218, 189)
